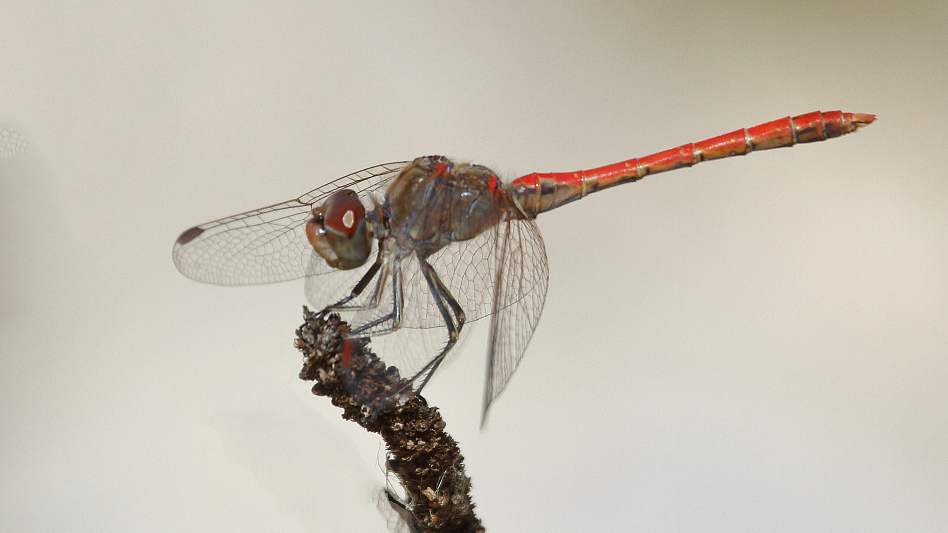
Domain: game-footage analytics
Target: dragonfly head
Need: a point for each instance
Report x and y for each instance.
(339, 231)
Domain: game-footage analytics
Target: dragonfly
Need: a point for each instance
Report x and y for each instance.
(414, 250)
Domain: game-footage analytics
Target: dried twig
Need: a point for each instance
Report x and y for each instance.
(424, 458)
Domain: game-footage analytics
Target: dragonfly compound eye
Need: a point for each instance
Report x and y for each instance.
(339, 232)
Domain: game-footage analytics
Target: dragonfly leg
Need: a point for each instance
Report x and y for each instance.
(441, 296)
(371, 273)
(394, 317)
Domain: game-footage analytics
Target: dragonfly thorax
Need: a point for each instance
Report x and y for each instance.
(434, 202)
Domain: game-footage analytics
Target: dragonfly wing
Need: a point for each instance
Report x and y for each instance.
(363, 182)
(521, 279)
(267, 244)
(261, 246)
(466, 268)
(469, 269)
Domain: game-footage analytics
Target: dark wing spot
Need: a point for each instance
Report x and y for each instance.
(189, 235)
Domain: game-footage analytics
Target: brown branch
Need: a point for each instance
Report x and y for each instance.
(425, 459)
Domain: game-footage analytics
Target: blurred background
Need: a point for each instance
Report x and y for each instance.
(755, 344)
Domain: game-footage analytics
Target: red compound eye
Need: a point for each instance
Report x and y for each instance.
(343, 213)
(339, 232)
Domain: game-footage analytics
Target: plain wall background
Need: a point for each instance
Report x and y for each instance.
(756, 344)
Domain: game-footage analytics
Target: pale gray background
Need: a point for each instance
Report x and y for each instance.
(756, 344)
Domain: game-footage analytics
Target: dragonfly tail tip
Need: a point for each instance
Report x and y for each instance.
(862, 119)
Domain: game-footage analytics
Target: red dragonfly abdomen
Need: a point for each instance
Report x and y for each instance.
(539, 192)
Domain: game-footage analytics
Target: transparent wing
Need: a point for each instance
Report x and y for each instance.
(503, 271)
(466, 268)
(364, 181)
(11, 143)
(267, 244)
(522, 278)
(469, 269)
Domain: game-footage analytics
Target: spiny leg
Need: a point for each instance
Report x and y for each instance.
(443, 300)
(441, 295)
(395, 315)
(380, 261)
